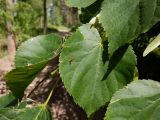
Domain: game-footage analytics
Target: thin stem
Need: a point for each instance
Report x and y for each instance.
(55, 71)
(52, 91)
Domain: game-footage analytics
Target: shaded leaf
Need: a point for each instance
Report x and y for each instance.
(140, 100)
(19, 78)
(5, 100)
(34, 113)
(91, 11)
(21, 105)
(82, 69)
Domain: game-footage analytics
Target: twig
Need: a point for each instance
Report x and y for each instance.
(52, 91)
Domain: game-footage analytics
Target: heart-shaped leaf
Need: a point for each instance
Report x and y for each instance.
(38, 49)
(31, 57)
(82, 69)
(140, 100)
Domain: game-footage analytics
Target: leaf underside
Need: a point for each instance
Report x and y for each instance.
(38, 49)
(31, 57)
(19, 78)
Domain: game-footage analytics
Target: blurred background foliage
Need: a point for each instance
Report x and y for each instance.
(27, 19)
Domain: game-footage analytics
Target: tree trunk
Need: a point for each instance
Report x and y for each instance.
(44, 16)
(70, 15)
(11, 39)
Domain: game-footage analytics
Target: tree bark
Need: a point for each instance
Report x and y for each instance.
(11, 39)
(70, 15)
(44, 16)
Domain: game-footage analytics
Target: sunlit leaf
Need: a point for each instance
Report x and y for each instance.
(82, 69)
(153, 45)
(38, 49)
(140, 100)
(80, 3)
(124, 20)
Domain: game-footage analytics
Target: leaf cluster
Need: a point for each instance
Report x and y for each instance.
(96, 64)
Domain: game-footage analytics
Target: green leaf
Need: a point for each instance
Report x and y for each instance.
(19, 78)
(140, 100)
(80, 3)
(153, 45)
(124, 20)
(5, 100)
(31, 57)
(82, 69)
(121, 55)
(21, 105)
(37, 49)
(8, 113)
(34, 113)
